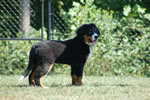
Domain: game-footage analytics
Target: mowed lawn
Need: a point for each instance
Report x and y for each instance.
(60, 88)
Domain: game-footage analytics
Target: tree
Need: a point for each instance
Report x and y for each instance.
(25, 16)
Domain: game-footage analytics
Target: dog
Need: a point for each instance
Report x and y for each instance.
(74, 52)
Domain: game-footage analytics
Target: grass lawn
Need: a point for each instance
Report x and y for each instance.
(60, 88)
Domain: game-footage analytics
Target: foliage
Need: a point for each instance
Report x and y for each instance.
(123, 48)
(14, 56)
(66, 5)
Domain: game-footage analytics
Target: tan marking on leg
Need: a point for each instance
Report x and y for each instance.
(32, 78)
(40, 79)
(41, 84)
(79, 81)
(51, 66)
(74, 79)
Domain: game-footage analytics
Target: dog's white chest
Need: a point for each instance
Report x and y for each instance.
(90, 53)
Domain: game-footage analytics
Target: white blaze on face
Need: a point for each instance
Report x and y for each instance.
(94, 38)
(92, 44)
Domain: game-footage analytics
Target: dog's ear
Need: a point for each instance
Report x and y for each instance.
(81, 30)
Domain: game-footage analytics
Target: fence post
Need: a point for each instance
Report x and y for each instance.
(49, 20)
(42, 29)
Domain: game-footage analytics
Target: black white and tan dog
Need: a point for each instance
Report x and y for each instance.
(74, 52)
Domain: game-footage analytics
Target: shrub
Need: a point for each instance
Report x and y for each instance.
(14, 56)
(123, 48)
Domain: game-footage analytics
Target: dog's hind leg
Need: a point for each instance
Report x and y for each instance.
(41, 71)
(31, 77)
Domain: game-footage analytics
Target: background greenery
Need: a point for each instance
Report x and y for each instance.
(122, 49)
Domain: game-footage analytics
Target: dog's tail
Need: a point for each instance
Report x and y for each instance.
(30, 65)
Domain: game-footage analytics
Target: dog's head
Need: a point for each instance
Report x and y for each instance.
(89, 33)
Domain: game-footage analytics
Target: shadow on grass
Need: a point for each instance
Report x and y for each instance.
(70, 85)
(54, 85)
(20, 85)
(61, 85)
(117, 85)
(50, 86)
(95, 85)
(15, 86)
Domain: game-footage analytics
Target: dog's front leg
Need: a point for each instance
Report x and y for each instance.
(77, 73)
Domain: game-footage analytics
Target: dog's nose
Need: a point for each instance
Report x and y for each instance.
(96, 37)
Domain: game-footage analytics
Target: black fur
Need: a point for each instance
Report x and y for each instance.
(73, 52)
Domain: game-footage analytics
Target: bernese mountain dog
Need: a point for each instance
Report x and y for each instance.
(74, 52)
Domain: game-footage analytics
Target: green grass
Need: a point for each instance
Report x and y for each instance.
(60, 88)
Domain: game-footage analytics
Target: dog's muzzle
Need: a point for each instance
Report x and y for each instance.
(91, 40)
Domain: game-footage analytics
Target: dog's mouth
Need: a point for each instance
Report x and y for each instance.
(89, 40)
(92, 41)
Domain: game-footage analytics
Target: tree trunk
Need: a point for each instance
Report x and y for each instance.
(25, 16)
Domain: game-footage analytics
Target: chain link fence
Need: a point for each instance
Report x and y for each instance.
(23, 18)
(17, 19)
(60, 26)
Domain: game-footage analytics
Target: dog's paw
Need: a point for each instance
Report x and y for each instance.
(77, 84)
